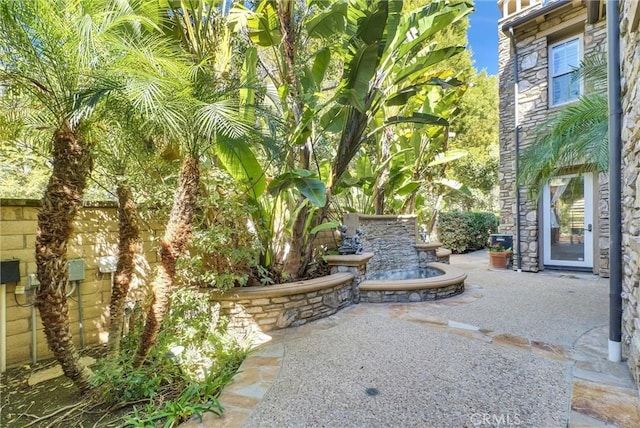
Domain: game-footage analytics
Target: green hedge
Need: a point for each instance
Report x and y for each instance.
(462, 231)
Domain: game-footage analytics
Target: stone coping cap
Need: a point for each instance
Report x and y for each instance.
(8, 202)
(428, 245)
(287, 289)
(386, 216)
(348, 259)
(443, 252)
(452, 276)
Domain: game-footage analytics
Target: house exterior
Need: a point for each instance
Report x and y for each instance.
(540, 43)
(630, 89)
(531, 33)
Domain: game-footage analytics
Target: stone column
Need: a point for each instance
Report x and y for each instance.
(353, 263)
(427, 253)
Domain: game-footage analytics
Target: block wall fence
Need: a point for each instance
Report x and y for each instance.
(95, 235)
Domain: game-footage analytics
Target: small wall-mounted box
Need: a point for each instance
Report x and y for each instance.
(107, 264)
(76, 269)
(32, 281)
(9, 271)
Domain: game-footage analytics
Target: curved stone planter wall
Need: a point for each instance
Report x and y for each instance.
(259, 309)
(286, 305)
(415, 290)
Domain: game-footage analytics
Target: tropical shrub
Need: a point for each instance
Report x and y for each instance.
(194, 359)
(223, 252)
(463, 231)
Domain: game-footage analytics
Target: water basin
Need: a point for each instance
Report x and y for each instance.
(402, 274)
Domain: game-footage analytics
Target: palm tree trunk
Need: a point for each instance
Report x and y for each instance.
(128, 245)
(71, 167)
(173, 243)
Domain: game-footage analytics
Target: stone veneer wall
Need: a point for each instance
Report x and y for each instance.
(95, 235)
(391, 238)
(630, 70)
(252, 310)
(532, 44)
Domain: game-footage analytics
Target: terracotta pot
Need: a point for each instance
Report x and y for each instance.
(499, 259)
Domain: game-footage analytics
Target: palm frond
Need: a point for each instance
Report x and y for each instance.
(576, 137)
(221, 117)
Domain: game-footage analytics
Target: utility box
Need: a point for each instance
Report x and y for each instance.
(501, 238)
(76, 269)
(32, 281)
(9, 271)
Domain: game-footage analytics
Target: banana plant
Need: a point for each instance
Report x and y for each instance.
(386, 55)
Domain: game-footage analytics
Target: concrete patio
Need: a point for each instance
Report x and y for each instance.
(515, 349)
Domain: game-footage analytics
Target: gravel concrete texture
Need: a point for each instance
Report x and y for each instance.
(552, 306)
(374, 370)
(512, 350)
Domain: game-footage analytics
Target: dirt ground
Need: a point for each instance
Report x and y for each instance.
(22, 405)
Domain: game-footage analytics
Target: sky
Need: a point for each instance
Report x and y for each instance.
(483, 35)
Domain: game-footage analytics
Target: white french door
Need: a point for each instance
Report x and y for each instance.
(568, 230)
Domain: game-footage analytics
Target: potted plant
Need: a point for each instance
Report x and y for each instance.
(499, 256)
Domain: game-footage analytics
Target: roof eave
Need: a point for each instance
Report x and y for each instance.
(528, 17)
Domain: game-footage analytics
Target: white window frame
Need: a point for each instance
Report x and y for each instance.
(550, 68)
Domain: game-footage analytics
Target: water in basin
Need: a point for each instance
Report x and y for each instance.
(400, 274)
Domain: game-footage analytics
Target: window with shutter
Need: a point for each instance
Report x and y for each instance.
(564, 58)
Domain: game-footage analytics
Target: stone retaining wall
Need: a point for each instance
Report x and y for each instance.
(404, 296)
(254, 309)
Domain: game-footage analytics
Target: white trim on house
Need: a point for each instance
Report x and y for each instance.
(566, 72)
(588, 237)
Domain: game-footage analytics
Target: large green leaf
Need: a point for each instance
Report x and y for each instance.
(324, 226)
(264, 25)
(408, 188)
(403, 96)
(241, 163)
(320, 64)
(422, 63)
(453, 184)
(333, 120)
(303, 130)
(448, 156)
(328, 23)
(427, 23)
(311, 187)
(359, 72)
(247, 92)
(421, 118)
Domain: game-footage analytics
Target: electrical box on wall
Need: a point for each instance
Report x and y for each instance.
(107, 264)
(32, 281)
(9, 271)
(76, 269)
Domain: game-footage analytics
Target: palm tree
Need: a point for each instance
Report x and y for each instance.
(205, 110)
(48, 51)
(576, 136)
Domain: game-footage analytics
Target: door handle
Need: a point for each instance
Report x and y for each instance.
(589, 228)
